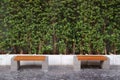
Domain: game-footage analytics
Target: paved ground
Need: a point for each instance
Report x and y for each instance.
(58, 73)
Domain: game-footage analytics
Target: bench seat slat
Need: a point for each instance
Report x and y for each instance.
(102, 58)
(28, 58)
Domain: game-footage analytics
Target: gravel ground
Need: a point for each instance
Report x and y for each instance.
(58, 73)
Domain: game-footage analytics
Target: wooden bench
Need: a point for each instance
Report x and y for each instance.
(15, 61)
(104, 61)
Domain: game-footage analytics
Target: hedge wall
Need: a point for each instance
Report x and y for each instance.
(60, 26)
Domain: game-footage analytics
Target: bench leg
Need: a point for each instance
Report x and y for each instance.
(45, 65)
(105, 64)
(76, 64)
(14, 65)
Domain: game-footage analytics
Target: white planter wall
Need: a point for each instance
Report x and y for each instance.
(67, 60)
(114, 59)
(55, 60)
(5, 59)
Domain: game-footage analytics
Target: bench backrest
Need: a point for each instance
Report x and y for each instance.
(28, 58)
(88, 57)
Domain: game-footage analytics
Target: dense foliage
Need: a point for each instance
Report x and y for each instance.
(60, 26)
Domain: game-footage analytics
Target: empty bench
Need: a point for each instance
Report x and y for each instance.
(104, 61)
(15, 61)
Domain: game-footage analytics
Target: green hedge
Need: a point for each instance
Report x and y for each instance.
(60, 26)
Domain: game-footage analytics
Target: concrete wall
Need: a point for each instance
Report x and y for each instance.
(55, 60)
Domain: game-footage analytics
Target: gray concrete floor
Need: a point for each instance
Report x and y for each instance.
(58, 73)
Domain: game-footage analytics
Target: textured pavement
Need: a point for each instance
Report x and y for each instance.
(58, 73)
